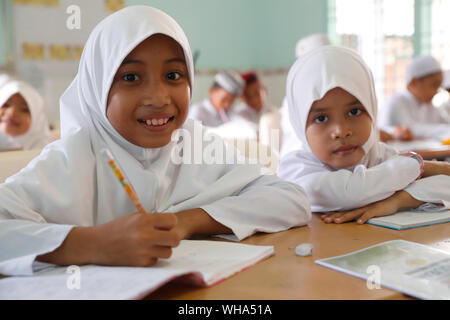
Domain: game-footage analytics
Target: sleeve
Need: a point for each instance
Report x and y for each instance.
(435, 189)
(40, 205)
(268, 204)
(345, 190)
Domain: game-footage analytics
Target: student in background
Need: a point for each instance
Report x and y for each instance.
(289, 141)
(343, 166)
(22, 116)
(412, 107)
(244, 117)
(67, 207)
(215, 110)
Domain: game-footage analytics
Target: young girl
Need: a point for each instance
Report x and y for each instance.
(343, 166)
(23, 122)
(131, 93)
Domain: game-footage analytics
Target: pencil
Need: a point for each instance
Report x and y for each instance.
(124, 182)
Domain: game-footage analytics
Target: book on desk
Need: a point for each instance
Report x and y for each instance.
(197, 262)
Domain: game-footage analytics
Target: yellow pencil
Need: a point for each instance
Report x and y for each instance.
(124, 182)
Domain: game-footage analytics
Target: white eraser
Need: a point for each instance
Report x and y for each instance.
(304, 249)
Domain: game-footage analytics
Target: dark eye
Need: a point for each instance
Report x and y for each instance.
(321, 119)
(354, 112)
(173, 76)
(130, 77)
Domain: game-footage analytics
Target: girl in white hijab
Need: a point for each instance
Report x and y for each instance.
(23, 122)
(343, 166)
(131, 92)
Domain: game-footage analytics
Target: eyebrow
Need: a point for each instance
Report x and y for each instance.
(319, 110)
(129, 61)
(354, 102)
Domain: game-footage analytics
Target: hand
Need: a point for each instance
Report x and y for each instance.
(136, 239)
(386, 207)
(433, 168)
(384, 136)
(403, 133)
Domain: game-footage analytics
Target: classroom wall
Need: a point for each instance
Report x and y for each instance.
(239, 34)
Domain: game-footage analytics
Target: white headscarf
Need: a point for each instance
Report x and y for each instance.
(38, 134)
(421, 67)
(311, 42)
(320, 71)
(231, 81)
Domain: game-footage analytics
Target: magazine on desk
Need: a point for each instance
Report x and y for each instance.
(411, 268)
(198, 262)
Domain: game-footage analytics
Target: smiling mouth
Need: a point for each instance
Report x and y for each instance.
(157, 121)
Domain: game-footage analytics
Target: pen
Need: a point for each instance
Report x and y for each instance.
(124, 182)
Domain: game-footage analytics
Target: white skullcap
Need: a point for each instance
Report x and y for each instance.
(311, 42)
(421, 67)
(231, 82)
(446, 83)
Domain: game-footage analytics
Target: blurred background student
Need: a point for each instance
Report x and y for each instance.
(23, 122)
(412, 107)
(215, 110)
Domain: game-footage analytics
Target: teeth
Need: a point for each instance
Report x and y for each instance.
(156, 122)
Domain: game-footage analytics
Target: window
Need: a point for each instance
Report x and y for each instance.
(382, 32)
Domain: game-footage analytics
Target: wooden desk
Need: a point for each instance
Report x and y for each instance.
(428, 149)
(287, 276)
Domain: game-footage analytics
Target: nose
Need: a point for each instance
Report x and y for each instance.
(341, 131)
(156, 94)
(9, 112)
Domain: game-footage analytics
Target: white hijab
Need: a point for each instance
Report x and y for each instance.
(38, 134)
(320, 71)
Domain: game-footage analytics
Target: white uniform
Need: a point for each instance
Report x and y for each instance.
(7, 142)
(70, 183)
(205, 112)
(424, 120)
(289, 141)
(380, 173)
(38, 134)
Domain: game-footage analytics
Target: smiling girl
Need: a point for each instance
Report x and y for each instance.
(131, 93)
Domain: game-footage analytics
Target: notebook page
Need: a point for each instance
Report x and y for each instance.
(212, 259)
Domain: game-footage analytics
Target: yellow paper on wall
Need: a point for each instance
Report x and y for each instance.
(114, 5)
(47, 3)
(77, 51)
(33, 51)
(60, 52)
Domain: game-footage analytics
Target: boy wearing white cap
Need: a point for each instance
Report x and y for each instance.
(213, 111)
(412, 107)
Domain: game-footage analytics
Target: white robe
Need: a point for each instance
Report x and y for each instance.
(205, 112)
(380, 173)
(70, 183)
(424, 120)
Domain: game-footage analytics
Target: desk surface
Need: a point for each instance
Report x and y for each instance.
(287, 276)
(428, 149)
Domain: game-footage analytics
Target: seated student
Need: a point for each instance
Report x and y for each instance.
(289, 141)
(413, 106)
(244, 117)
(343, 166)
(214, 111)
(67, 207)
(22, 116)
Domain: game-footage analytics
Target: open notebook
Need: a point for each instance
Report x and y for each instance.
(412, 268)
(411, 219)
(201, 263)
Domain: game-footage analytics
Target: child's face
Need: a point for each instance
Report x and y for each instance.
(253, 95)
(149, 96)
(221, 98)
(426, 88)
(337, 127)
(15, 117)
